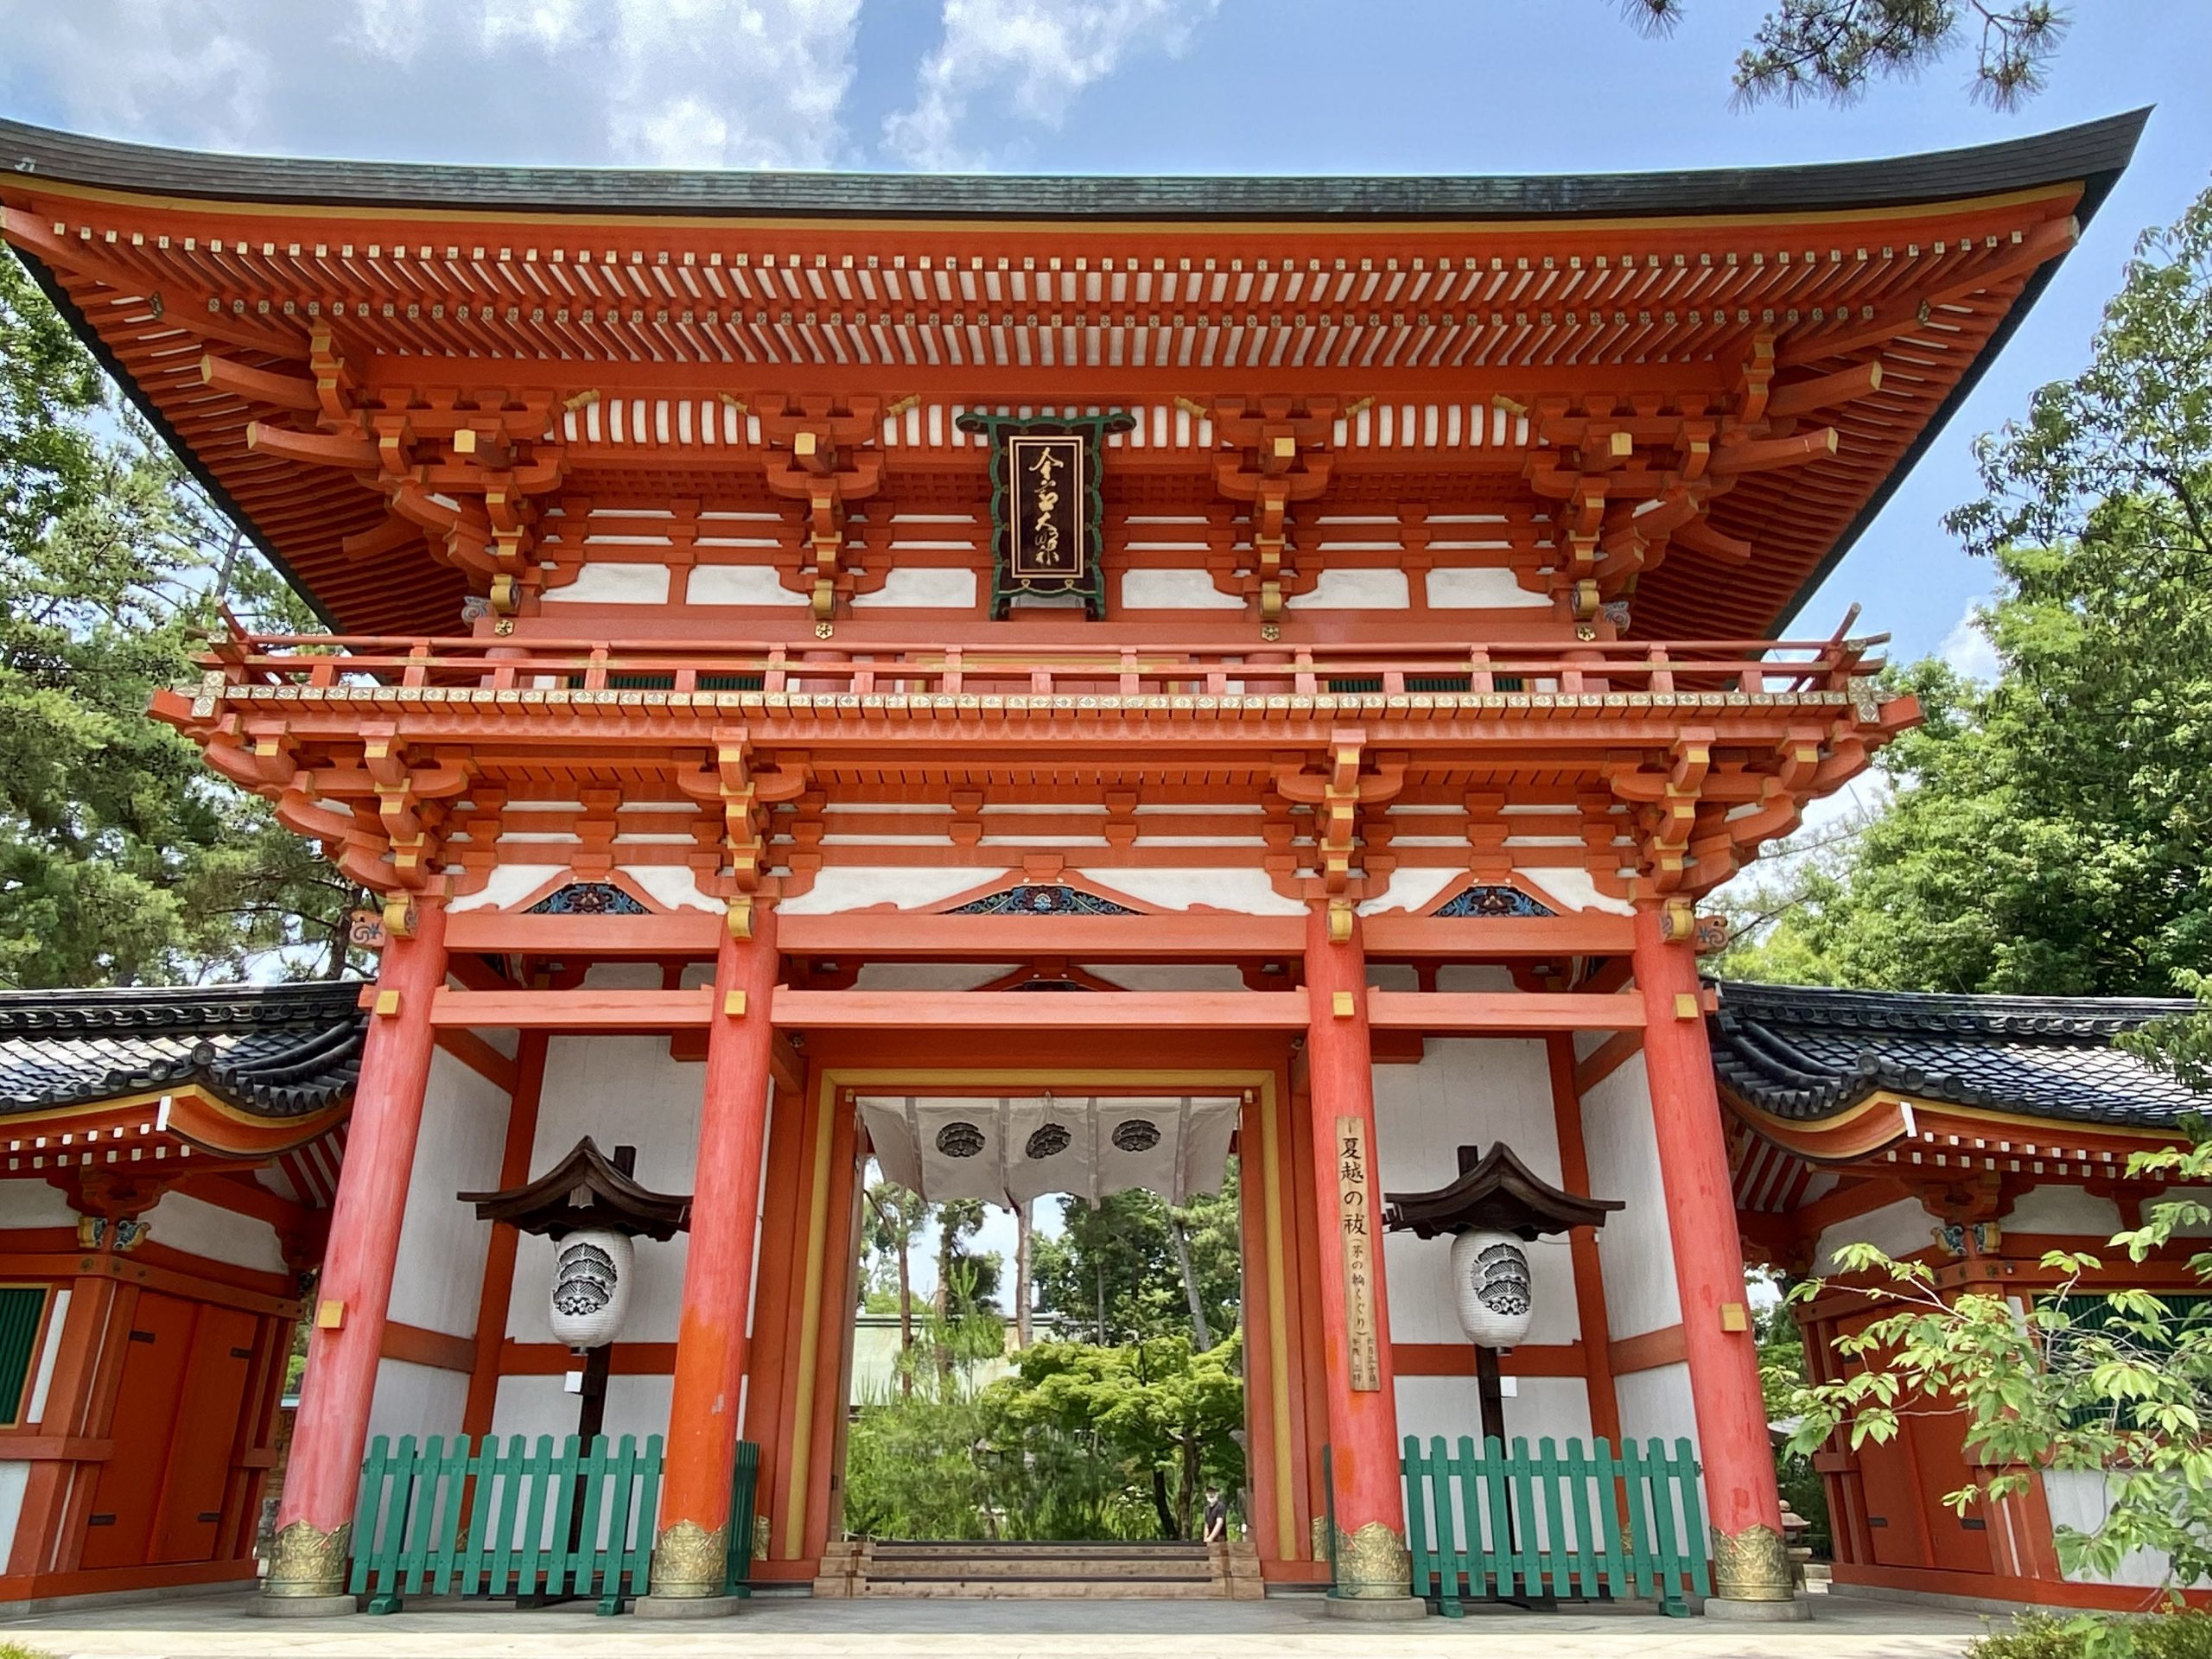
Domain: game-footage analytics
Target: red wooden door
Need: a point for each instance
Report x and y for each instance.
(1956, 1543)
(1897, 1524)
(191, 1508)
(125, 1500)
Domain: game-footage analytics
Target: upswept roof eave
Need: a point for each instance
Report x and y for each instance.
(2093, 153)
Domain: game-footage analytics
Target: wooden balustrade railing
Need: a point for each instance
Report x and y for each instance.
(1753, 667)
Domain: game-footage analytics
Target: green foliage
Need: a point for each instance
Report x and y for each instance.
(2180, 1045)
(2040, 1635)
(1781, 1373)
(122, 858)
(2119, 1384)
(1113, 1269)
(1831, 50)
(1080, 1442)
(2051, 833)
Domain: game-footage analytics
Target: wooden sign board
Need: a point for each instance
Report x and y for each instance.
(1357, 1226)
(1048, 508)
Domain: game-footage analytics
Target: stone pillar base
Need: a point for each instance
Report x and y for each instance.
(1795, 1611)
(1376, 1607)
(268, 1606)
(685, 1606)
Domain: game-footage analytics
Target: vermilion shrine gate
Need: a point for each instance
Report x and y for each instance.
(734, 737)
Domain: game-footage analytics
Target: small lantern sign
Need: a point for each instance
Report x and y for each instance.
(1495, 1208)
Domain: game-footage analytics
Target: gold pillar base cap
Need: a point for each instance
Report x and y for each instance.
(1372, 1565)
(690, 1562)
(305, 1561)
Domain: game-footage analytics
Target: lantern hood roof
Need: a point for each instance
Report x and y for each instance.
(585, 1189)
(1496, 1192)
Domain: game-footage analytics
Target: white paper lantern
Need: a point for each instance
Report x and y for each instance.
(1491, 1282)
(591, 1287)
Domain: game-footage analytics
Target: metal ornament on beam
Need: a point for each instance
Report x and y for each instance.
(1048, 506)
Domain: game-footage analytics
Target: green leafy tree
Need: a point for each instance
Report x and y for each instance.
(1165, 1415)
(2052, 833)
(122, 858)
(1832, 50)
(2117, 1384)
(1118, 1268)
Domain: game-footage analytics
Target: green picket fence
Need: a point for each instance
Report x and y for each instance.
(445, 1519)
(1571, 1526)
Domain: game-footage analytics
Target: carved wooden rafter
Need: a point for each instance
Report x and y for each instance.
(1348, 780)
(732, 781)
(1282, 457)
(822, 453)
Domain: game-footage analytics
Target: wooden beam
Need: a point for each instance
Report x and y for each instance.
(1443, 1012)
(585, 1009)
(1041, 1010)
(1602, 1061)
(1649, 1351)
(883, 935)
(479, 1057)
(1589, 934)
(679, 933)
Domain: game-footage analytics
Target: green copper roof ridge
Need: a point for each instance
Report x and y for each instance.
(2092, 151)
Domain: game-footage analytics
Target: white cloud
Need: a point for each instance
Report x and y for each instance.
(1036, 56)
(1969, 649)
(661, 83)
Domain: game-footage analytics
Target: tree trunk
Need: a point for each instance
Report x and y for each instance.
(1102, 1304)
(1187, 1497)
(905, 1314)
(1201, 1333)
(943, 1302)
(1021, 1225)
(1160, 1502)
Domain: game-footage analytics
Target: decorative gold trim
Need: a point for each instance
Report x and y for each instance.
(1751, 1566)
(1372, 1564)
(689, 1561)
(305, 1561)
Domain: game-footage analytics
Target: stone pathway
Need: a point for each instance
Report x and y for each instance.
(224, 1627)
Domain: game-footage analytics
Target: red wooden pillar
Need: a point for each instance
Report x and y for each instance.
(314, 1524)
(691, 1551)
(1372, 1563)
(1740, 1493)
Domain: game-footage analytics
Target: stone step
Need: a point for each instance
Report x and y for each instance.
(1043, 1589)
(880, 1572)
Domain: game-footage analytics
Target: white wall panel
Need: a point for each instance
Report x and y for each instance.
(440, 1274)
(1656, 1404)
(603, 582)
(186, 1224)
(1898, 1229)
(1635, 1249)
(1473, 1092)
(417, 1400)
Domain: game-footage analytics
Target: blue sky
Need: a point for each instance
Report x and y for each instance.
(1133, 85)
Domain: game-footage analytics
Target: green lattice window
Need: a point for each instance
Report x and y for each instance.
(667, 682)
(1364, 684)
(21, 1309)
(2091, 1313)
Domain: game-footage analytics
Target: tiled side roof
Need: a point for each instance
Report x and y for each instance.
(278, 1051)
(1808, 1053)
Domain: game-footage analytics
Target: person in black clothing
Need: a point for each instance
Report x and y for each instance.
(1216, 1515)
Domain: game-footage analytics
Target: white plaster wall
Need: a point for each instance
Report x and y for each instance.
(1634, 1247)
(739, 584)
(1355, 590)
(417, 1400)
(1481, 587)
(508, 884)
(1246, 890)
(1898, 1229)
(1574, 889)
(1474, 976)
(15, 1477)
(1174, 590)
(676, 885)
(861, 886)
(1170, 976)
(1472, 1091)
(1536, 1407)
(935, 587)
(930, 975)
(2076, 1498)
(1656, 1404)
(34, 1204)
(2062, 1210)
(186, 1224)
(1409, 890)
(621, 1091)
(439, 1272)
(541, 1405)
(603, 583)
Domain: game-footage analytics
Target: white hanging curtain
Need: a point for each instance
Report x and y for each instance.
(1011, 1151)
